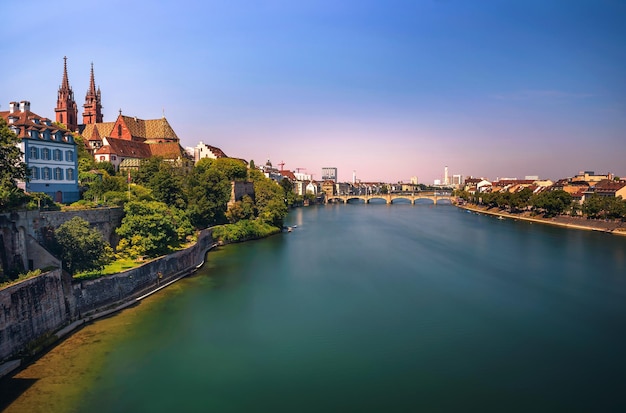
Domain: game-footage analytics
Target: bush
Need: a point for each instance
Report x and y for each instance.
(244, 230)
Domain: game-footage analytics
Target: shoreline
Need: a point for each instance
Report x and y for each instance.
(559, 221)
(11, 367)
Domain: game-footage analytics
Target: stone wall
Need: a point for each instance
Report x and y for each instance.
(32, 309)
(95, 295)
(105, 220)
(35, 308)
(17, 227)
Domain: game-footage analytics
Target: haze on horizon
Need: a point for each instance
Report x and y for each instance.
(390, 89)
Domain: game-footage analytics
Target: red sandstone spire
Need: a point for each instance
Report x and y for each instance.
(66, 111)
(93, 105)
(92, 83)
(65, 84)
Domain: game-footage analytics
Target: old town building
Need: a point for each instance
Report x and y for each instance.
(49, 152)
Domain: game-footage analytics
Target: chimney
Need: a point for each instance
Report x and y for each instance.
(12, 107)
(24, 106)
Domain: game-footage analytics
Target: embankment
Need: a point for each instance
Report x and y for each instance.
(36, 312)
(612, 227)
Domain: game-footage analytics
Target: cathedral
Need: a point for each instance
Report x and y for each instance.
(67, 111)
(124, 142)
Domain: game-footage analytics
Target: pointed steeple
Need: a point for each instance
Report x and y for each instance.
(65, 84)
(92, 83)
(66, 110)
(93, 105)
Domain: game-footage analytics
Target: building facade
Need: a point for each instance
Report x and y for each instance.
(49, 152)
(329, 174)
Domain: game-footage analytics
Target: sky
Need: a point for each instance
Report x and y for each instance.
(387, 90)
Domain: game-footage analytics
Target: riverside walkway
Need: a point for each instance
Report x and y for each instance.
(389, 198)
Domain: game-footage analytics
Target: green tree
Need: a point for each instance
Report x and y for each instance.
(552, 202)
(12, 169)
(105, 166)
(241, 210)
(164, 180)
(81, 247)
(233, 169)
(521, 199)
(151, 229)
(593, 206)
(208, 192)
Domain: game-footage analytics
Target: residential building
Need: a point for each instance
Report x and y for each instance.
(612, 189)
(202, 150)
(49, 151)
(328, 187)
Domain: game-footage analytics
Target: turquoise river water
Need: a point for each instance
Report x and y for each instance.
(377, 308)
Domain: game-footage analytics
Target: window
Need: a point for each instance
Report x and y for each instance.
(57, 155)
(34, 153)
(45, 173)
(45, 154)
(114, 157)
(102, 158)
(69, 156)
(34, 172)
(69, 174)
(119, 130)
(58, 174)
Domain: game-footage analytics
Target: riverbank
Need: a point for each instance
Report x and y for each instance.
(66, 306)
(611, 227)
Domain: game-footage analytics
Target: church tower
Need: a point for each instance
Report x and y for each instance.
(93, 103)
(66, 110)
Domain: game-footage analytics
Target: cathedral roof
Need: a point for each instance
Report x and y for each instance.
(167, 150)
(124, 148)
(149, 129)
(104, 129)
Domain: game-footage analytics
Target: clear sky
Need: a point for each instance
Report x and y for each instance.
(389, 88)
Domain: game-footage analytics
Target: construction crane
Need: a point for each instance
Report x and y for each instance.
(298, 169)
(281, 164)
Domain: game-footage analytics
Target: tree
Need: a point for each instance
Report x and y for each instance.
(164, 180)
(552, 202)
(233, 169)
(12, 168)
(208, 191)
(241, 210)
(81, 247)
(151, 229)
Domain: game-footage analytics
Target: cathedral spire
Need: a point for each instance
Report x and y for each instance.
(66, 110)
(93, 104)
(92, 83)
(65, 84)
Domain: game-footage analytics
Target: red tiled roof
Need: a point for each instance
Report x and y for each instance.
(168, 150)
(289, 175)
(151, 129)
(27, 121)
(125, 148)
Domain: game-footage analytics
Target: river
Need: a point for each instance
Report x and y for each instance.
(362, 308)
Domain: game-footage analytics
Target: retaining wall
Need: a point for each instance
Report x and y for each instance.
(32, 309)
(40, 306)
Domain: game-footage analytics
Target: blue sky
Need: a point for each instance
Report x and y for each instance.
(391, 89)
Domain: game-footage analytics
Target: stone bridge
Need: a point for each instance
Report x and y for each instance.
(389, 198)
